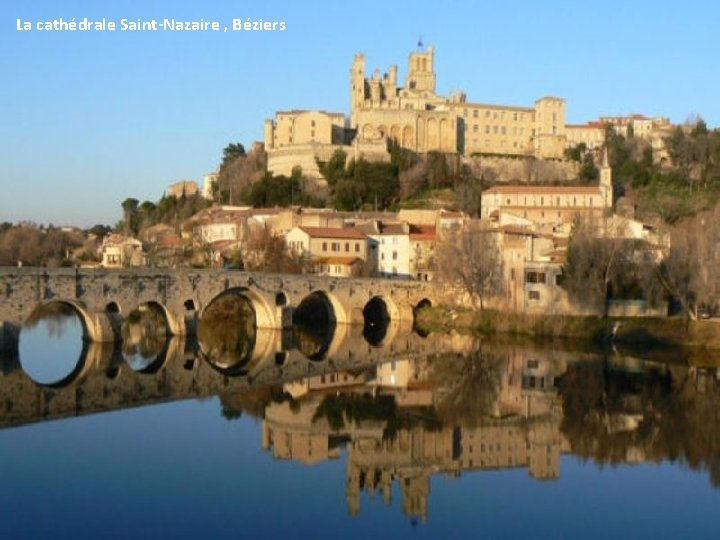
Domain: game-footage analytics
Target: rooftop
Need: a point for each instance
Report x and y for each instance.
(330, 232)
(585, 190)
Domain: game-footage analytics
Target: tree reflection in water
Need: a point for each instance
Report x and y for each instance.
(145, 335)
(613, 416)
(50, 349)
(226, 333)
(55, 316)
(467, 386)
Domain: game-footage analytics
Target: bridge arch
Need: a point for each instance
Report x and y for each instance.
(264, 313)
(379, 313)
(91, 331)
(337, 313)
(422, 303)
(173, 324)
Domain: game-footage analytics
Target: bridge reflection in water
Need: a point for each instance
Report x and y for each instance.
(404, 407)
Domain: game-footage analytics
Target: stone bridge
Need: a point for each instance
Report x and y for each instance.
(102, 298)
(103, 380)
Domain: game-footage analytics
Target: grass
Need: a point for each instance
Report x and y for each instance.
(633, 333)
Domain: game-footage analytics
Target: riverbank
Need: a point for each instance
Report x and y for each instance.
(632, 332)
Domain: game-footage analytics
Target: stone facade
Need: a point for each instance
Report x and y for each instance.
(550, 204)
(419, 119)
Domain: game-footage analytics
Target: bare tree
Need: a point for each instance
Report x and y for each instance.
(266, 252)
(239, 171)
(601, 259)
(470, 257)
(690, 273)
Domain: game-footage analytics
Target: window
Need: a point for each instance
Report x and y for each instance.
(533, 276)
(475, 114)
(394, 255)
(324, 246)
(347, 246)
(357, 247)
(475, 128)
(534, 295)
(487, 129)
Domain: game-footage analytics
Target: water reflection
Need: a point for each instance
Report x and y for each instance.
(144, 337)
(227, 333)
(314, 326)
(460, 407)
(51, 348)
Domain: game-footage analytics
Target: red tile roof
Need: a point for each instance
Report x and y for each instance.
(345, 261)
(544, 190)
(423, 232)
(331, 232)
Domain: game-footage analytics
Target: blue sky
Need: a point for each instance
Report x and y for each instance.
(89, 119)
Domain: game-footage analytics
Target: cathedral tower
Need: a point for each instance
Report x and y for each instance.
(421, 71)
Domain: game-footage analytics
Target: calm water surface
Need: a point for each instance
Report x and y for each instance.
(162, 438)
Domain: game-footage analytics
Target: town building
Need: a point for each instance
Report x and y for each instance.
(546, 204)
(340, 252)
(419, 119)
(183, 188)
(389, 249)
(209, 184)
(120, 251)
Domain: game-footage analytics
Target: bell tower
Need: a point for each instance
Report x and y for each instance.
(606, 179)
(421, 70)
(357, 83)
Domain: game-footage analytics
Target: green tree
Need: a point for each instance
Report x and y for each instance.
(130, 207)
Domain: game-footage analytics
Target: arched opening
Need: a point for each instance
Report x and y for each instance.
(395, 133)
(408, 140)
(189, 305)
(376, 319)
(280, 299)
(432, 134)
(189, 365)
(62, 327)
(112, 308)
(227, 332)
(145, 335)
(280, 358)
(421, 305)
(314, 322)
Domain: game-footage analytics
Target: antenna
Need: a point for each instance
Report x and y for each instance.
(420, 44)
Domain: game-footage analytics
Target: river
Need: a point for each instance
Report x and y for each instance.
(166, 437)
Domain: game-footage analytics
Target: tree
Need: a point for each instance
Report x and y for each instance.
(130, 207)
(333, 170)
(602, 262)
(232, 152)
(238, 171)
(691, 271)
(470, 257)
(266, 252)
